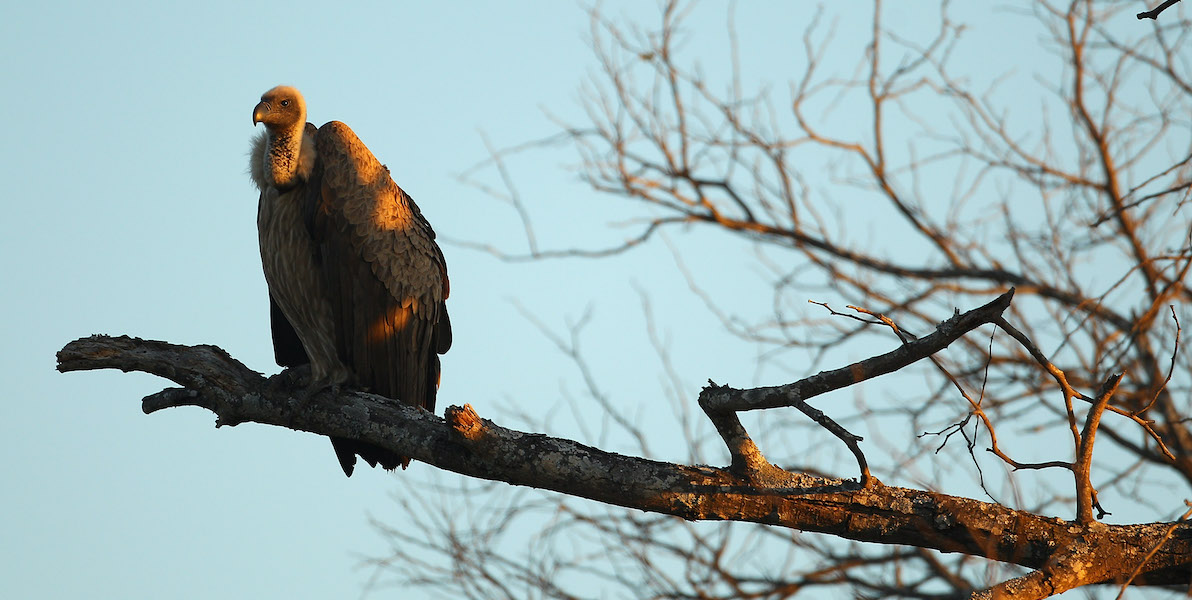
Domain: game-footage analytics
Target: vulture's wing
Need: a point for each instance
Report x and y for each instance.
(386, 275)
(288, 350)
(287, 346)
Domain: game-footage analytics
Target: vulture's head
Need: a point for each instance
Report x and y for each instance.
(280, 108)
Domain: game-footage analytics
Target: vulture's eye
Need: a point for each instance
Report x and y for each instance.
(285, 102)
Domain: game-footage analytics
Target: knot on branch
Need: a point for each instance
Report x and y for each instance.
(465, 422)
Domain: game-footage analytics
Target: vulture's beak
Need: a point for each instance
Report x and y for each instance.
(258, 113)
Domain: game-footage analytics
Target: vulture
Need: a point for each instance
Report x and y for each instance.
(357, 284)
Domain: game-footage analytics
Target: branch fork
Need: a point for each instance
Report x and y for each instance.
(721, 403)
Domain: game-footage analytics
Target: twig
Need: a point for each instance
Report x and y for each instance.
(827, 381)
(1170, 370)
(1154, 12)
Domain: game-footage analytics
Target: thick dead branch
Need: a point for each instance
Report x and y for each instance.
(483, 449)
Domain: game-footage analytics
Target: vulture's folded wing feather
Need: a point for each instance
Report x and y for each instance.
(385, 273)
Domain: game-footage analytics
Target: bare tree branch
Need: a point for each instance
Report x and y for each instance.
(466, 444)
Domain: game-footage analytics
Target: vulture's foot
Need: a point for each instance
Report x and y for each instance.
(295, 378)
(314, 388)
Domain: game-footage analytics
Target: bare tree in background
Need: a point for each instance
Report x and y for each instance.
(889, 197)
(1080, 208)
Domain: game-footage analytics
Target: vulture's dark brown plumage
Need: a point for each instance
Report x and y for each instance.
(357, 284)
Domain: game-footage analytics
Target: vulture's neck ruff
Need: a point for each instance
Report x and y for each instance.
(288, 157)
(281, 162)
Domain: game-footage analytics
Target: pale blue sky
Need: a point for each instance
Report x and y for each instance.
(128, 211)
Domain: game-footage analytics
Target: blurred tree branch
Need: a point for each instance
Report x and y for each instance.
(1070, 185)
